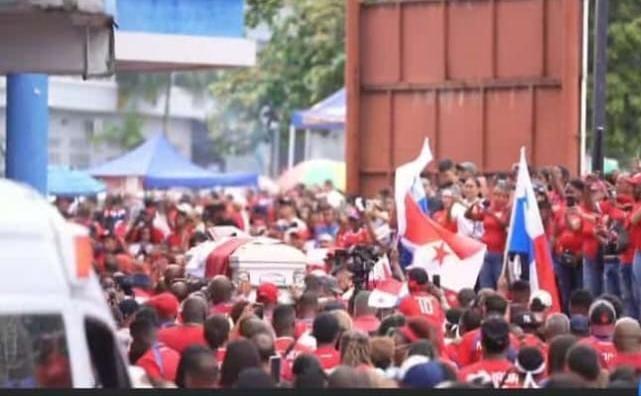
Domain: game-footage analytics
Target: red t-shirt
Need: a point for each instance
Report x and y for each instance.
(605, 349)
(160, 361)
(470, 349)
(635, 229)
(588, 231)
(282, 345)
(565, 238)
(500, 372)
(423, 303)
(223, 308)
(449, 224)
(328, 356)
(180, 337)
(495, 234)
(220, 355)
(350, 238)
(626, 359)
(530, 340)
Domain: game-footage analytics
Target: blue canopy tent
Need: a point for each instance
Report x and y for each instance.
(65, 182)
(160, 165)
(328, 114)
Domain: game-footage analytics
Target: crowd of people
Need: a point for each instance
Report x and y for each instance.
(188, 332)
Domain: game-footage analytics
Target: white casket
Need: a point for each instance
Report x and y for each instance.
(268, 260)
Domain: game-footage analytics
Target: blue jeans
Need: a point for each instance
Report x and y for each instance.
(636, 278)
(491, 270)
(568, 279)
(629, 293)
(592, 277)
(611, 283)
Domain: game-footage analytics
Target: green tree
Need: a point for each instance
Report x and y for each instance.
(302, 63)
(623, 134)
(126, 135)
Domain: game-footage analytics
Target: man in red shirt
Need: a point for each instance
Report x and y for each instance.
(220, 290)
(285, 344)
(190, 332)
(326, 330)
(421, 301)
(216, 329)
(494, 367)
(159, 361)
(365, 318)
(469, 350)
(602, 318)
(627, 341)
(166, 305)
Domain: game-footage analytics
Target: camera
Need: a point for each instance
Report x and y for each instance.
(360, 261)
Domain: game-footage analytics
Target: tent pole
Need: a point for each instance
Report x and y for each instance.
(292, 145)
(308, 136)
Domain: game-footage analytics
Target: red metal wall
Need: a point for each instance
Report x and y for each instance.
(480, 78)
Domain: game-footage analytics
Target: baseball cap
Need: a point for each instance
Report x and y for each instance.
(526, 320)
(602, 318)
(166, 304)
(418, 275)
(267, 293)
(580, 325)
(424, 375)
(540, 301)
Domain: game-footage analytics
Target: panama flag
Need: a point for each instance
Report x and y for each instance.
(455, 258)
(526, 235)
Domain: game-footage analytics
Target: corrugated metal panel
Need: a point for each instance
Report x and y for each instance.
(479, 77)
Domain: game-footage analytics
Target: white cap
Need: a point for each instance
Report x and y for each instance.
(543, 296)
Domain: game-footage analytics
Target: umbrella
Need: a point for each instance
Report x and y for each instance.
(314, 172)
(65, 182)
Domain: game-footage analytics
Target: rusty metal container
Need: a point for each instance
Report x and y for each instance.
(480, 78)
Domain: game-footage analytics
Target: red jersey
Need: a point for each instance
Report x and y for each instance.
(500, 372)
(282, 345)
(159, 362)
(423, 303)
(223, 308)
(180, 337)
(470, 350)
(530, 340)
(630, 359)
(495, 233)
(328, 356)
(605, 349)
(350, 238)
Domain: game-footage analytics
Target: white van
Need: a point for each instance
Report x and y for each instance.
(56, 328)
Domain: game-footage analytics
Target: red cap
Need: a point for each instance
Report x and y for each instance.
(166, 304)
(267, 293)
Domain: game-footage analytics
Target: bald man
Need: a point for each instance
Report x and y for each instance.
(191, 331)
(365, 318)
(556, 324)
(627, 341)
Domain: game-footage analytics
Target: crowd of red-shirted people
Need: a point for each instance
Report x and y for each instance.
(214, 333)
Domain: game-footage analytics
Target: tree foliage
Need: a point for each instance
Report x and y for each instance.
(623, 134)
(302, 63)
(126, 135)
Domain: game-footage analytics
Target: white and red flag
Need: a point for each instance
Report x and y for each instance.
(457, 259)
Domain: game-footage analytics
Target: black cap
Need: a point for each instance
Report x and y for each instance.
(602, 313)
(526, 320)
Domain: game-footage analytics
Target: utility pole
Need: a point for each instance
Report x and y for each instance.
(600, 72)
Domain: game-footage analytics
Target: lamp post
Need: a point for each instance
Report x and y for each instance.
(269, 119)
(600, 73)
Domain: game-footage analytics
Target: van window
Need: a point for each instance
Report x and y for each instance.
(33, 352)
(106, 359)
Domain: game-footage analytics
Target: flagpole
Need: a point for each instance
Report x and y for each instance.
(511, 225)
